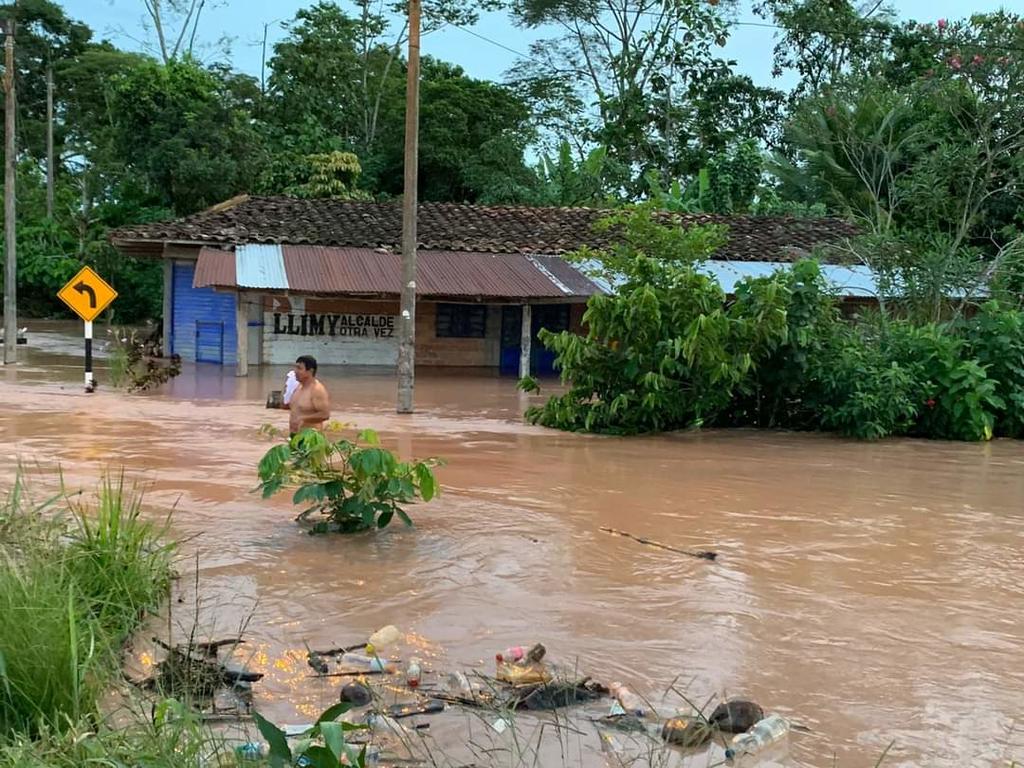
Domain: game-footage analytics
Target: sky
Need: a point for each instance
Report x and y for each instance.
(242, 21)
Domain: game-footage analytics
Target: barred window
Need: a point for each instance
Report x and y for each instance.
(461, 321)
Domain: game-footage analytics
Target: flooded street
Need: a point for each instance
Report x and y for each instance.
(872, 592)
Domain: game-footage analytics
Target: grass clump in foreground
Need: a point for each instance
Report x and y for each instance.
(75, 581)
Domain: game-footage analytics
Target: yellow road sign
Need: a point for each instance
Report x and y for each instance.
(87, 294)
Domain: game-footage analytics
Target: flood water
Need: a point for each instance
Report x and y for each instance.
(872, 592)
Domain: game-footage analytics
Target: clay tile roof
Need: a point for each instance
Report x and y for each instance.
(457, 227)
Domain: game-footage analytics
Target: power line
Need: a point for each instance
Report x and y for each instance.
(488, 40)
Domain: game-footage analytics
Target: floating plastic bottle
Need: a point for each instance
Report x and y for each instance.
(384, 637)
(414, 673)
(763, 735)
(384, 724)
(459, 684)
(631, 703)
(371, 663)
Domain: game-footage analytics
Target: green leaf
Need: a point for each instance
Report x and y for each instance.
(428, 485)
(334, 738)
(310, 492)
(321, 757)
(370, 437)
(334, 712)
(280, 752)
(404, 517)
(385, 519)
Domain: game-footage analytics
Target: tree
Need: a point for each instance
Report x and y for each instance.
(351, 96)
(629, 75)
(562, 181)
(184, 130)
(46, 38)
(175, 24)
(824, 40)
(344, 68)
(932, 165)
(473, 135)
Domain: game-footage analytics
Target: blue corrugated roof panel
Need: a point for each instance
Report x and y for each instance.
(260, 266)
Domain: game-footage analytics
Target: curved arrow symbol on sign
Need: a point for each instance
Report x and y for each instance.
(82, 288)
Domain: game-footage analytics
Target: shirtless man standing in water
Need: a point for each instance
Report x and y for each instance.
(310, 405)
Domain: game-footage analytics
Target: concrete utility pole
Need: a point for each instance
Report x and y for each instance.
(49, 143)
(407, 320)
(10, 242)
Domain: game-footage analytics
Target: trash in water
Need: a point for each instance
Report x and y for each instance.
(561, 693)
(369, 663)
(687, 731)
(356, 694)
(736, 716)
(769, 731)
(414, 673)
(430, 707)
(516, 674)
(631, 703)
(385, 637)
(501, 725)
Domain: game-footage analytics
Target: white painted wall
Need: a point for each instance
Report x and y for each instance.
(283, 348)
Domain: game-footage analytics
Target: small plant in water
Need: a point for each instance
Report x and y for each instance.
(323, 746)
(353, 486)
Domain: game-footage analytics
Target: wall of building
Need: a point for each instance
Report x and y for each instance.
(365, 332)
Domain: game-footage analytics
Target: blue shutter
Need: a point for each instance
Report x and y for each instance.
(203, 328)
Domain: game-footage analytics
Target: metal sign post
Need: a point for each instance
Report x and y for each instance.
(90, 385)
(87, 294)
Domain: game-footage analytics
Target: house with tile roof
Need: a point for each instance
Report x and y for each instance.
(261, 280)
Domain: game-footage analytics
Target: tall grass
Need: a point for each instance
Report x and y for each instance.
(75, 581)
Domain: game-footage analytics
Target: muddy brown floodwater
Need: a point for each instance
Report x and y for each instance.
(872, 592)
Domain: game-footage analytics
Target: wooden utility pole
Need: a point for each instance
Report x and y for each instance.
(49, 143)
(10, 242)
(407, 319)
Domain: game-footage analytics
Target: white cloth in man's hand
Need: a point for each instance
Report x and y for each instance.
(290, 385)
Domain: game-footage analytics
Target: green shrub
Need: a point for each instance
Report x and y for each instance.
(996, 340)
(861, 393)
(665, 351)
(353, 488)
(959, 400)
(669, 350)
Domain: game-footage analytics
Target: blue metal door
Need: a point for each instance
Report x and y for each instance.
(203, 320)
(553, 317)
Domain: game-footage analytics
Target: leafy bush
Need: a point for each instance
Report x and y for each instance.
(995, 337)
(665, 351)
(352, 487)
(669, 350)
(860, 392)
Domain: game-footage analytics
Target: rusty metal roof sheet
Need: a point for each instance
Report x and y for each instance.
(316, 269)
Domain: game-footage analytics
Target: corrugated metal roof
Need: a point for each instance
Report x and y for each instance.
(214, 268)
(365, 271)
(260, 266)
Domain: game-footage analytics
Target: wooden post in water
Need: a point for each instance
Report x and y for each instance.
(526, 342)
(407, 318)
(242, 331)
(10, 238)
